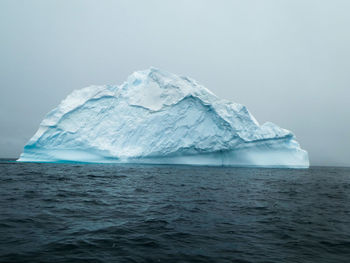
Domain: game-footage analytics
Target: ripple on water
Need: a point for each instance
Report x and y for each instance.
(123, 213)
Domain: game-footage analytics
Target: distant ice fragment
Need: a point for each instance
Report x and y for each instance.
(161, 118)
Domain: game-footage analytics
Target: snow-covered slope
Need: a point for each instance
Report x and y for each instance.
(159, 117)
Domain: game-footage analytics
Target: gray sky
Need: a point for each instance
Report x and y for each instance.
(287, 61)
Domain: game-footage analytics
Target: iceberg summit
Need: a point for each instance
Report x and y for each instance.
(156, 117)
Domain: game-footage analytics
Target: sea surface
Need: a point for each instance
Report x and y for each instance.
(146, 213)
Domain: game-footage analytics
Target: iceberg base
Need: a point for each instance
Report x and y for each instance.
(271, 158)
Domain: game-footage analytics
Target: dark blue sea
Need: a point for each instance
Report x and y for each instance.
(143, 213)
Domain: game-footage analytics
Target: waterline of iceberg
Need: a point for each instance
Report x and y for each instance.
(237, 158)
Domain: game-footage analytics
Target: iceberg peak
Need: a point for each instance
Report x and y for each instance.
(159, 117)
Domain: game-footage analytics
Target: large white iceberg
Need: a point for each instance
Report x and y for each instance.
(161, 118)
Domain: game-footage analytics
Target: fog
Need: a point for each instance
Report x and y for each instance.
(287, 61)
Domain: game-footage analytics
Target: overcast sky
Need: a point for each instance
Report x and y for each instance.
(287, 61)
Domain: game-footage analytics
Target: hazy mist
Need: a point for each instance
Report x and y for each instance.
(287, 61)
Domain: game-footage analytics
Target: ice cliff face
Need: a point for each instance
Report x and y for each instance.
(159, 117)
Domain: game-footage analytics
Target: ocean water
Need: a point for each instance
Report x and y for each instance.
(143, 213)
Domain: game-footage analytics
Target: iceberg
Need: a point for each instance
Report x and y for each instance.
(156, 117)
